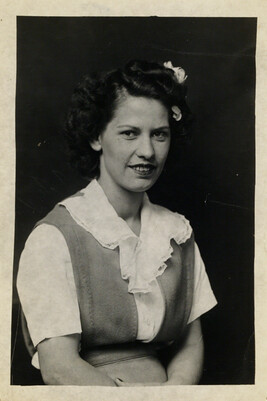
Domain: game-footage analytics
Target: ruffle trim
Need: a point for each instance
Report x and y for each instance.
(143, 258)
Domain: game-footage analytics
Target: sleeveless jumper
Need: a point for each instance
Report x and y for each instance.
(107, 310)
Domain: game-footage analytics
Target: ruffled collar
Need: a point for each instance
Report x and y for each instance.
(142, 259)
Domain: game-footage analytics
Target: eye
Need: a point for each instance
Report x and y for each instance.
(129, 134)
(161, 135)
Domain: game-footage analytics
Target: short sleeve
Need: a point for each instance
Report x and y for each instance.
(46, 285)
(203, 297)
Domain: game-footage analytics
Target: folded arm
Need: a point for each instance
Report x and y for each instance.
(61, 364)
(186, 363)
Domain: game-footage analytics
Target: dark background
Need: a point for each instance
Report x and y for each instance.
(211, 180)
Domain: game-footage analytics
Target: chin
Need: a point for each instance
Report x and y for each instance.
(141, 187)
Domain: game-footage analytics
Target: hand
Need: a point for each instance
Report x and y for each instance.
(121, 383)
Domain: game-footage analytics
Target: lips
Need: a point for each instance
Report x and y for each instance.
(143, 169)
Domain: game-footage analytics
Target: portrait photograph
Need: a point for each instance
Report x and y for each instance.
(134, 201)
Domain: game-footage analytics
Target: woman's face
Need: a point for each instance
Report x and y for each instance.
(134, 145)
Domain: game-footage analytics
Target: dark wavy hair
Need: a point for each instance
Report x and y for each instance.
(96, 97)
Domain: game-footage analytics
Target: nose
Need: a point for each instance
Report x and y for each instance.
(145, 148)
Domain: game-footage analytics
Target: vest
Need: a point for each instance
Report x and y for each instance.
(107, 310)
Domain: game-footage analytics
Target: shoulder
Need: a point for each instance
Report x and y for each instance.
(44, 245)
(45, 255)
(173, 224)
(44, 234)
(59, 216)
(163, 212)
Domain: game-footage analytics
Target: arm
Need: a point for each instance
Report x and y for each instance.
(185, 365)
(61, 364)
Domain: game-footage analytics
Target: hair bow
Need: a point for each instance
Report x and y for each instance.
(179, 72)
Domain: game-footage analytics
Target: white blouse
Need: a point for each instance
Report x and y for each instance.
(45, 280)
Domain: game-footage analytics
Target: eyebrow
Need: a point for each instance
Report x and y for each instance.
(163, 127)
(132, 126)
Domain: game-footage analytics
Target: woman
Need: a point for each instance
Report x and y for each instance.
(111, 285)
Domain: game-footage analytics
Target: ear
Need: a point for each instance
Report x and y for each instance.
(96, 145)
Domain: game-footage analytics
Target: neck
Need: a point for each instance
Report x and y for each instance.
(126, 203)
